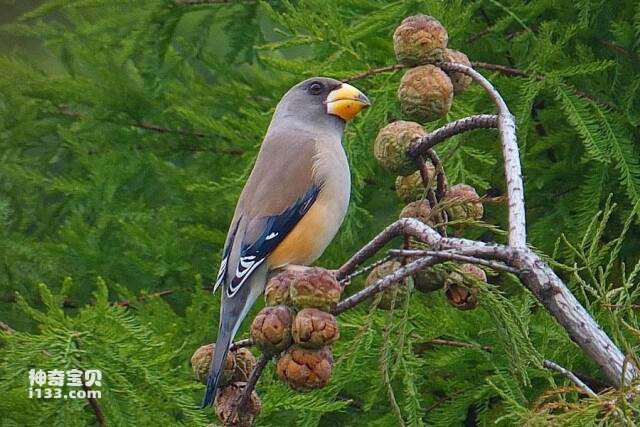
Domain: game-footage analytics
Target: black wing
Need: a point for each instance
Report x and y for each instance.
(274, 229)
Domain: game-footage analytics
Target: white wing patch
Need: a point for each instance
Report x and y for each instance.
(271, 236)
(221, 273)
(245, 267)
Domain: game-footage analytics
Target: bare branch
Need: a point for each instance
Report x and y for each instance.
(535, 274)
(459, 344)
(571, 376)
(510, 154)
(441, 181)
(507, 71)
(64, 110)
(127, 303)
(248, 388)
(372, 71)
(547, 363)
(422, 145)
(452, 256)
(384, 283)
(93, 403)
(345, 280)
(200, 2)
(247, 342)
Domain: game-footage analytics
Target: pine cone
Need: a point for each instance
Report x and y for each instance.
(226, 400)
(305, 369)
(460, 81)
(277, 290)
(245, 361)
(419, 39)
(271, 329)
(411, 188)
(420, 210)
(463, 203)
(390, 147)
(313, 328)
(429, 279)
(425, 93)
(201, 360)
(460, 292)
(399, 290)
(315, 287)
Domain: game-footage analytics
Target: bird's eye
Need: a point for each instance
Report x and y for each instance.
(315, 88)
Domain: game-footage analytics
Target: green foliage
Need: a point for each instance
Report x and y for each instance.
(127, 130)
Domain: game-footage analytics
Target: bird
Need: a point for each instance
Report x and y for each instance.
(292, 204)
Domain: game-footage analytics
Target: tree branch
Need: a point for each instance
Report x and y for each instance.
(571, 376)
(507, 71)
(510, 154)
(459, 344)
(65, 111)
(127, 303)
(422, 145)
(247, 342)
(452, 256)
(385, 282)
(199, 2)
(248, 388)
(372, 71)
(535, 274)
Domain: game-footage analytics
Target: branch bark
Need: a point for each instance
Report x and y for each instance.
(422, 145)
(453, 256)
(510, 154)
(535, 274)
(571, 376)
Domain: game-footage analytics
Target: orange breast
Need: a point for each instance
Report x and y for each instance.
(308, 239)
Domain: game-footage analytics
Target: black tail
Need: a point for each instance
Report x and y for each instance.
(232, 312)
(217, 366)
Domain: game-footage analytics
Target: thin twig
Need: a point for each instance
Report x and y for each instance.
(517, 72)
(93, 403)
(507, 71)
(384, 283)
(441, 180)
(344, 281)
(422, 145)
(127, 303)
(477, 36)
(199, 2)
(248, 388)
(91, 400)
(452, 256)
(65, 111)
(247, 342)
(431, 196)
(459, 344)
(502, 69)
(372, 71)
(571, 376)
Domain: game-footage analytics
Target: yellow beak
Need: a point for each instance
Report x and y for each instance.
(346, 102)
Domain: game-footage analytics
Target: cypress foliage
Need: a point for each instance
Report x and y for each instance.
(127, 130)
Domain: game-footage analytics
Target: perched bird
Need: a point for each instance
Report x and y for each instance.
(292, 204)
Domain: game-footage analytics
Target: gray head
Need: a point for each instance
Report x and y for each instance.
(319, 102)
